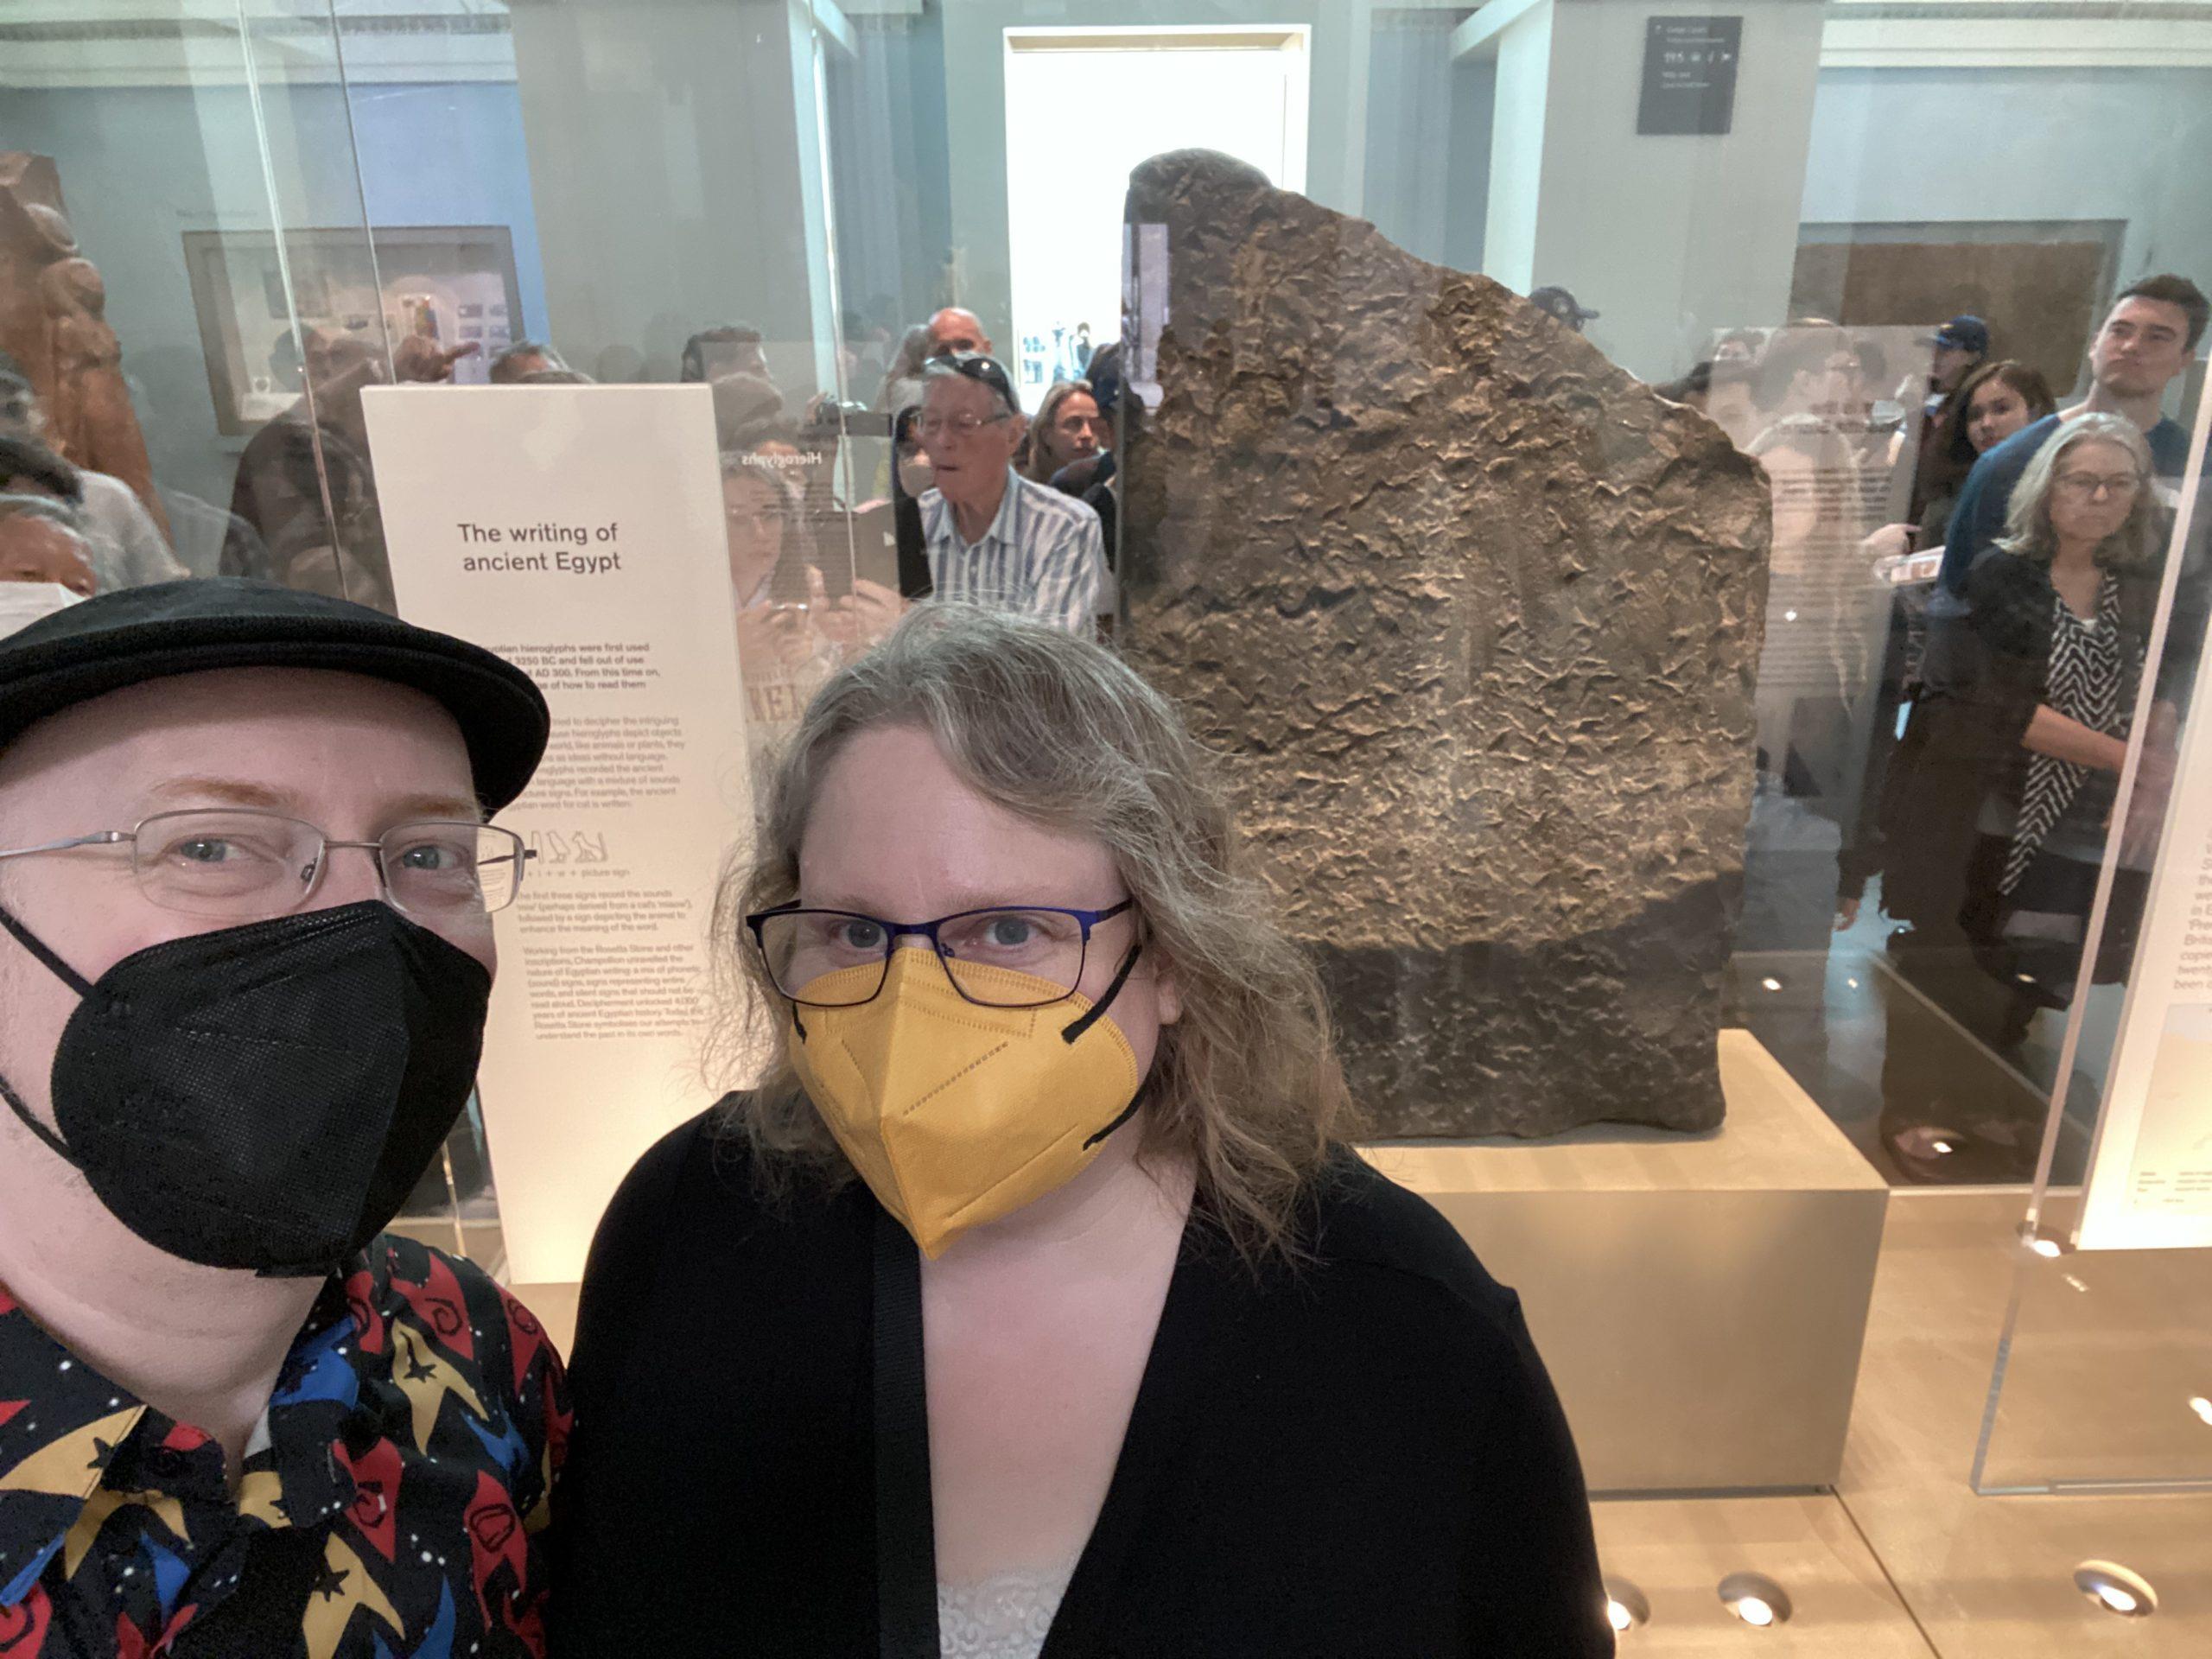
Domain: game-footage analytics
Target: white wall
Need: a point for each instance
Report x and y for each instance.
(672, 169)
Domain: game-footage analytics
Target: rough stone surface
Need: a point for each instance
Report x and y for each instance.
(1476, 615)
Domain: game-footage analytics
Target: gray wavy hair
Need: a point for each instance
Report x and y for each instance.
(2028, 531)
(1245, 1083)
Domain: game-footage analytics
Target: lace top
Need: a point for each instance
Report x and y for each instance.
(1006, 1616)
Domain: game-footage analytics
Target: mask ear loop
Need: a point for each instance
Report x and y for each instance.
(53, 964)
(1098, 1010)
(55, 1143)
(77, 982)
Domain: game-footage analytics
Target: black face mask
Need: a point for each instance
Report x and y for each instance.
(265, 1096)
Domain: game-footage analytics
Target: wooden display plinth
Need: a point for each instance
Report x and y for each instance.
(1700, 1300)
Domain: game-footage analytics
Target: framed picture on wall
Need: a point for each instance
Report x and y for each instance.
(423, 279)
(2042, 285)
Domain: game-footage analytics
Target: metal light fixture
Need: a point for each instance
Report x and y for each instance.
(1755, 1599)
(1627, 1608)
(2115, 1590)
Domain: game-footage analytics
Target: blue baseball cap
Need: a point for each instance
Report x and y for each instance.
(1965, 332)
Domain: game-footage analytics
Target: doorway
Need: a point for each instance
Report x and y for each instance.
(1083, 108)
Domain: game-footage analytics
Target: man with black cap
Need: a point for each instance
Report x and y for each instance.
(1960, 347)
(1561, 307)
(246, 947)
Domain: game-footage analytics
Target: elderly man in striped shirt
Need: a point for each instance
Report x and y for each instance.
(993, 537)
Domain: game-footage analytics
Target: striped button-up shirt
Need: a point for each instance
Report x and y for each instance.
(1042, 555)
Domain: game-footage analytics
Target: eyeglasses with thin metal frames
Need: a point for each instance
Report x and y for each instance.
(522, 855)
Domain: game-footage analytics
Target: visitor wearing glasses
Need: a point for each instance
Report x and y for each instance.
(2010, 767)
(1033, 1303)
(246, 949)
(992, 536)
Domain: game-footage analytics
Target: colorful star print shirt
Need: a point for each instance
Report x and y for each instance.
(400, 1473)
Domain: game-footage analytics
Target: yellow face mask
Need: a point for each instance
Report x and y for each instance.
(954, 1114)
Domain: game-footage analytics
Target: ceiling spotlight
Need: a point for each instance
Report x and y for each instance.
(1754, 1598)
(1941, 1146)
(2114, 1588)
(1790, 616)
(2202, 1408)
(2049, 1249)
(1853, 984)
(1626, 1607)
(1771, 983)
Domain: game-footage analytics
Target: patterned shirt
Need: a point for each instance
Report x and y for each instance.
(414, 1432)
(1044, 553)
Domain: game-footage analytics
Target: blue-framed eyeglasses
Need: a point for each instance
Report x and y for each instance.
(803, 948)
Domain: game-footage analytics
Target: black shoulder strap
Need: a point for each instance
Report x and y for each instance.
(905, 1533)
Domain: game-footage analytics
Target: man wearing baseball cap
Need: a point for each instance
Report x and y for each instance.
(246, 885)
(1561, 305)
(1960, 345)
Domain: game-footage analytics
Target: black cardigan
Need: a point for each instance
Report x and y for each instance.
(1987, 671)
(1361, 1456)
(2013, 614)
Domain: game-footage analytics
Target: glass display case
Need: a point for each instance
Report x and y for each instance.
(1539, 445)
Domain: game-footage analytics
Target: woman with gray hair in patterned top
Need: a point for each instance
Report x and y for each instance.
(2062, 609)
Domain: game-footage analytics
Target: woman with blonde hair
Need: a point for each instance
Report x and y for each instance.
(1031, 1295)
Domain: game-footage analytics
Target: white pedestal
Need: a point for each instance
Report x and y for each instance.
(1700, 1300)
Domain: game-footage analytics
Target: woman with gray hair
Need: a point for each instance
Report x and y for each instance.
(2028, 704)
(1030, 1298)
(902, 381)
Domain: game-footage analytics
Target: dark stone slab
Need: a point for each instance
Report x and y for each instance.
(1475, 615)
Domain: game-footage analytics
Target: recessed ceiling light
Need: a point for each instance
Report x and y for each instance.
(1627, 1608)
(1771, 983)
(1754, 1598)
(2202, 1408)
(2049, 1249)
(2114, 1589)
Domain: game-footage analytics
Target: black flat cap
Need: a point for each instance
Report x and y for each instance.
(136, 634)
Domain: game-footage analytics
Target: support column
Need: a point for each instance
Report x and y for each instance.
(677, 177)
(1668, 235)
